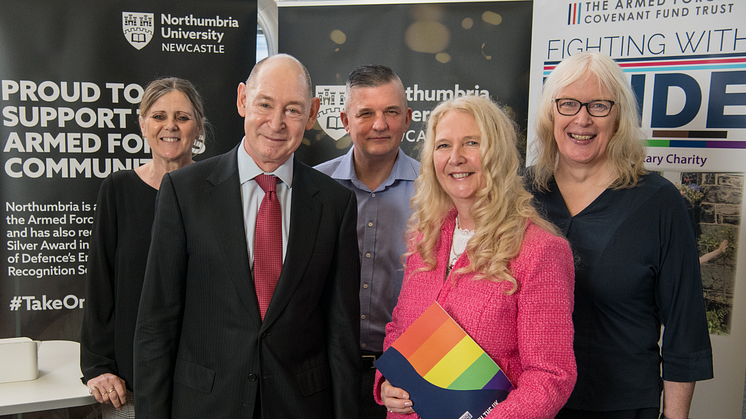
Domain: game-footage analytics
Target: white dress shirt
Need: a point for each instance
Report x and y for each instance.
(252, 195)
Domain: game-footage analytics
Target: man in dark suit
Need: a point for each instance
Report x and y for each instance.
(204, 348)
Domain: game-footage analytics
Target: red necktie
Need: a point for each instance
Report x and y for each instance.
(267, 242)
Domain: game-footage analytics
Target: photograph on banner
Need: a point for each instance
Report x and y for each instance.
(72, 75)
(713, 201)
(439, 50)
(686, 61)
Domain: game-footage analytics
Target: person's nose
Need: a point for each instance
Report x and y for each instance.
(379, 123)
(583, 118)
(277, 119)
(457, 155)
(171, 124)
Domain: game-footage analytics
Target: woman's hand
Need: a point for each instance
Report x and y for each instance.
(108, 388)
(395, 399)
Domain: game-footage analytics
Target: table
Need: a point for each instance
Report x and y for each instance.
(57, 387)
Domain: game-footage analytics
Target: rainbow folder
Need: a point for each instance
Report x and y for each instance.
(446, 374)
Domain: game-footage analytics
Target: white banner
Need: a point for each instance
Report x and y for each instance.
(686, 62)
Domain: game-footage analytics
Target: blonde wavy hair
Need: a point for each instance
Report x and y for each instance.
(625, 150)
(502, 209)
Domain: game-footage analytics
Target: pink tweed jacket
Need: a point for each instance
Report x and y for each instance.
(529, 334)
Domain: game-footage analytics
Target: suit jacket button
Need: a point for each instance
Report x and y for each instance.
(263, 335)
(252, 377)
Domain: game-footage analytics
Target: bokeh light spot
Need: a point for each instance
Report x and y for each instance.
(338, 37)
(492, 18)
(443, 57)
(427, 36)
(489, 57)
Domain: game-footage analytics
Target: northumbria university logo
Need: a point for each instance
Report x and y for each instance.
(332, 102)
(137, 28)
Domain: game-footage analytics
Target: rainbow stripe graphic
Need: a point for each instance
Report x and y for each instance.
(712, 62)
(445, 372)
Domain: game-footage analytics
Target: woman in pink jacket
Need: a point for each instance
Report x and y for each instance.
(479, 248)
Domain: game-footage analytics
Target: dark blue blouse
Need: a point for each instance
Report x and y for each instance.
(637, 267)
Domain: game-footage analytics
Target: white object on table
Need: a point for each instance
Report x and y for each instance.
(18, 361)
(57, 387)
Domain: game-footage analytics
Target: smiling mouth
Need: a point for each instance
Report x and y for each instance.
(460, 175)
(272, 139)
(582, 137)
(170, 139)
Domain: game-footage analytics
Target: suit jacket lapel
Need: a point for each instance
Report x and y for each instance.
(304, 224)
(223, 195)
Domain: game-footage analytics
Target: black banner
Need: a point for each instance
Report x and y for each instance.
(71, 77)
(438, 50)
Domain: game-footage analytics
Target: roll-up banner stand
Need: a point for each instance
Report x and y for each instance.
(439, 50)
(72, 73)
(686, 62)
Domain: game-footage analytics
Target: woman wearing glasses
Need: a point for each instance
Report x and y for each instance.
(636, 257)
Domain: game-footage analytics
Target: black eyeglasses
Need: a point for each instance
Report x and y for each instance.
(570, 107)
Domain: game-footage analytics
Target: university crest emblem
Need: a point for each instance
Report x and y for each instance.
(332, 102)
(137, 28)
